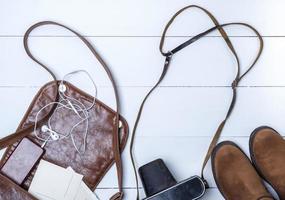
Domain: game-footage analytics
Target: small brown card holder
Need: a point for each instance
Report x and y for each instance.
(105, 141)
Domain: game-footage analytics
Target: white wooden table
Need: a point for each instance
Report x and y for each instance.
(182, 115)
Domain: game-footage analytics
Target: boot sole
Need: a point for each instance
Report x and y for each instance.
(213, 157)
(252, 136)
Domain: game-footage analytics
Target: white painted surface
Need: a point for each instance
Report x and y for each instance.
(195, 94)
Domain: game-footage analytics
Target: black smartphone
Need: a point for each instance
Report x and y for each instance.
(155, 177)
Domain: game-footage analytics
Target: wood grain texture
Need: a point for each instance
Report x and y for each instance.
(138, 62)
(182, 115)
(139, 18)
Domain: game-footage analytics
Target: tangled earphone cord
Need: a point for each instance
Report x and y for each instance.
(91, 79)
(69, 103)
(83, 119)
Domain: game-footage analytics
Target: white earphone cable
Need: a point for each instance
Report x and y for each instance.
(72, 104)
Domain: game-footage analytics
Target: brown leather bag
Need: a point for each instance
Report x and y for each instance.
(107, 134)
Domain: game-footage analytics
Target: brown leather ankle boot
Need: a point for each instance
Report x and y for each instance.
(234, 174)
(267, 150)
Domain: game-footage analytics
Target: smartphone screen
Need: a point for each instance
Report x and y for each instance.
(22, 161)
(190, 189)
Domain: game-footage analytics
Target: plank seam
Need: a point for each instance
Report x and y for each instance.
(139, 36)
(163, 86)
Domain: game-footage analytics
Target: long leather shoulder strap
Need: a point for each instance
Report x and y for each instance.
(169, 54)
(234, 89)
(116, 137)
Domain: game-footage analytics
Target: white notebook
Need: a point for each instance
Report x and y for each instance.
(52, 182)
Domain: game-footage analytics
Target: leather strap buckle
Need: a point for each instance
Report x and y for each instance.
(169, 54)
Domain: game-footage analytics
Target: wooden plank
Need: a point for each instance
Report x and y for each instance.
(184, 110)
(137, 61)
(211, 194)
(146, 18)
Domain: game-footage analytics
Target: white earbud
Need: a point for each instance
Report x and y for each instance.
(62, 88)
(54, 135)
